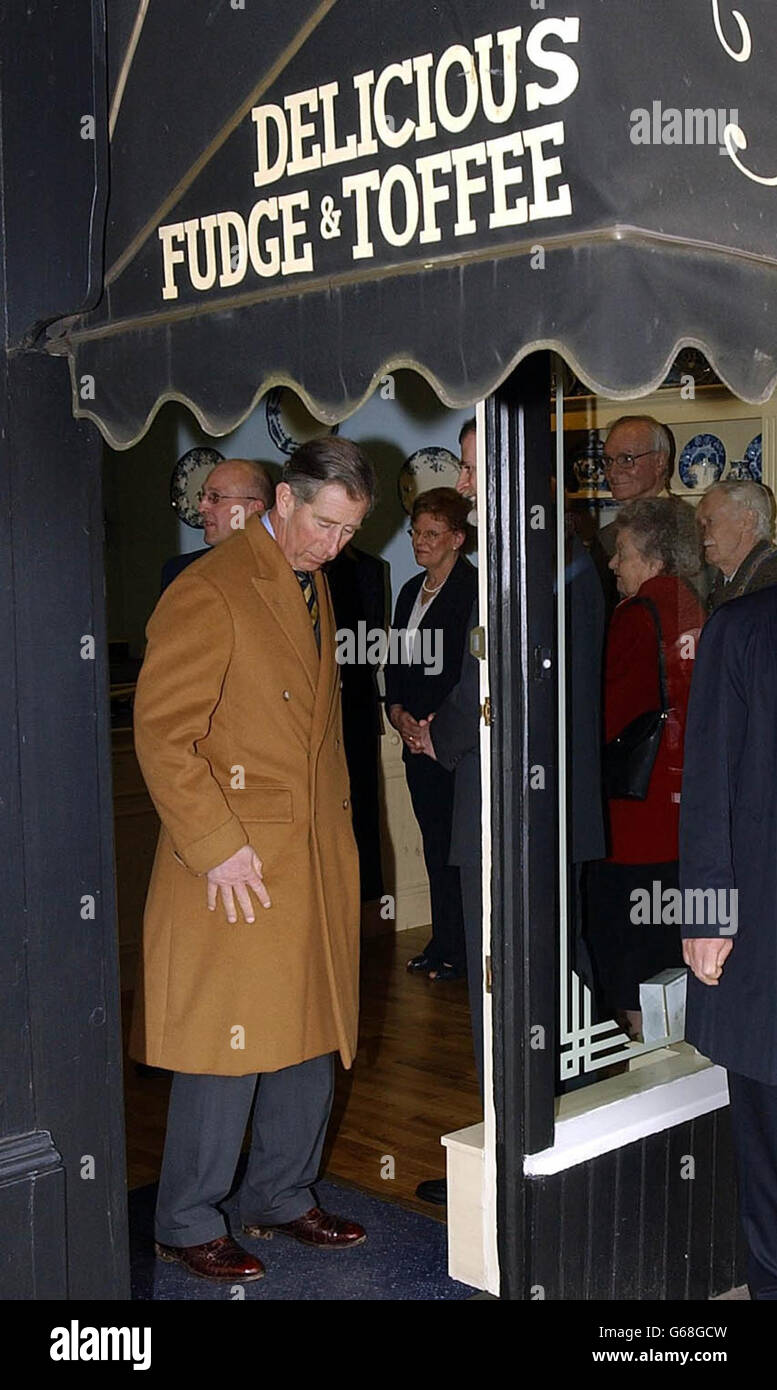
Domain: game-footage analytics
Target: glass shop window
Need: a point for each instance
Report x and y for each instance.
(633, 588)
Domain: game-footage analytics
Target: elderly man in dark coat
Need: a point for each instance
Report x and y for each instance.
(728, 844)
(735, 520)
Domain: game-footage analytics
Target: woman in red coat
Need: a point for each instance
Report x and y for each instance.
(657, 549)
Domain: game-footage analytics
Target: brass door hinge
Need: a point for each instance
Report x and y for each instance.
(485, 712)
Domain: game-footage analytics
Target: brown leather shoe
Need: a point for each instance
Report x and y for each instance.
(221, 1258)
(315, 1227)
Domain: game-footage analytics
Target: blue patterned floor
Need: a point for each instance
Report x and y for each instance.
(404, 1258)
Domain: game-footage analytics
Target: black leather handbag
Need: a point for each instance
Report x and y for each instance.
(630, 756)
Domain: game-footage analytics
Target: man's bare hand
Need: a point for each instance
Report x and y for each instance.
(425, 744)
(706, 955)
(232, 879)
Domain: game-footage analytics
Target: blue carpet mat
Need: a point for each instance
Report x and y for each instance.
(403, 1258)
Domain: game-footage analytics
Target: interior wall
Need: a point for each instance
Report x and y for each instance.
(142, 530)
(389, 427)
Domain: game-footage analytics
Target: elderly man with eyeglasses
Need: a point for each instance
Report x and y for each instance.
(233, 491)
(637, 462)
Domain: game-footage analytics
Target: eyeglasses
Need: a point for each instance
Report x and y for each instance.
(626, 461)
(430, 536)
(215, 497)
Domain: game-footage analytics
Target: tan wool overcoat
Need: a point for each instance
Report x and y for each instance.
(238, 732)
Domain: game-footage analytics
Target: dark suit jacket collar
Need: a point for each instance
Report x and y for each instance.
(458, 579)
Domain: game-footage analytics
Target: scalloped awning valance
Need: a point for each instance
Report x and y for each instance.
(314, 194)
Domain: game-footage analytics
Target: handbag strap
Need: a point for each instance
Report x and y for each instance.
(651, 607)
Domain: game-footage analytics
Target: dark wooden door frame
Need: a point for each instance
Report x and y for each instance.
(522, 684)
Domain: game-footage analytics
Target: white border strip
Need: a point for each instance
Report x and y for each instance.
(607, 1127)
(490, 1247)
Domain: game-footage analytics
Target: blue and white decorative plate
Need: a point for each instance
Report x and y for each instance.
(702, 461)
(290, 423)
(753, 458)
(188, 477)
(587, 465)
(426, 468)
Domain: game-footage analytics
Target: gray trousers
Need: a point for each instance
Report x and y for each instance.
(206, 1123)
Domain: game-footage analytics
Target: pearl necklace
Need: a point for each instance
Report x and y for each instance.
(436, 588)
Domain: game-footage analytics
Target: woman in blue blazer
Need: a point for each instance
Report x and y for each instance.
(431, 621)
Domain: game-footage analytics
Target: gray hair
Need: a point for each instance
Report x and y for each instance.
(663, 528)
(330, 459)
(751, 497)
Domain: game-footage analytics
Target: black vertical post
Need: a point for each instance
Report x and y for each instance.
(524, 818)
(62, 1173)
(62, 1169)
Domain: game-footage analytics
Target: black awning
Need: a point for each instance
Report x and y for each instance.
(314, 194)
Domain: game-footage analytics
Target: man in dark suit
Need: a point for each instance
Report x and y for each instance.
(735, 520)
(233, 491)
(454, 741)
(359, 584)
(728, 844)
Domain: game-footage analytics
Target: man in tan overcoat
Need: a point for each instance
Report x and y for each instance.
(250, 941)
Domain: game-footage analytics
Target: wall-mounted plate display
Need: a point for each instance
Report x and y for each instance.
(427, 468)
(702, 461)
(188, 477)
(753, 458)
(290, 423)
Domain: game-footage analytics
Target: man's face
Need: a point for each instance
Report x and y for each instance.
(647, 475)
(727, 531)
(467, 481)
(227, 487)
(310, 533)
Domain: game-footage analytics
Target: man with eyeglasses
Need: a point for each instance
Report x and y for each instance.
(637, 463)
(234, 490)
(638, 460)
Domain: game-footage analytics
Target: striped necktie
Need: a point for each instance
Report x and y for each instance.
(308, 588)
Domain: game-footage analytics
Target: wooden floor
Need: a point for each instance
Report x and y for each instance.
(413, 1080)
